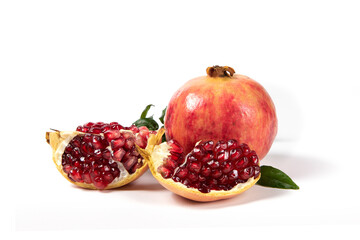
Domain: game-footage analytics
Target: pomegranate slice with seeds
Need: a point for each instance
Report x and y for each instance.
(99, 155)
(211, 171)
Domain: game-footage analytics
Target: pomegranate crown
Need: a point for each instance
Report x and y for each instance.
(220, 71)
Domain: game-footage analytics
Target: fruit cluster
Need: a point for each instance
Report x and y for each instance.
(218, 128)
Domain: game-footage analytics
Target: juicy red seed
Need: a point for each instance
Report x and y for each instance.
(245, 149)
(213, 164)
(134, 129)
(206, 171)
(96, 130)
(76, 152)
(235, 154)
(204, 189)
(198, 152)
(175, 147)
(233, 175)
(216, 173)
(254, 160)
(75, 174)
(106, 154)
(208, 146)
(242, 163)
(223, 179)
(195, 167)
(141, 141)
(221, 145)
(232, 144)
(117, 143)
(165, 173)
(86, 176)
(227, 167)
(97, 142)
(246, 173)
(99, 182)
(207, 157)
(182, 173)
(68, 149)
(171, 164)
(129, 163)
(89, 124)
(119, 154)
(129, 143)
(192, 176)
(111, 134)
(223, 155)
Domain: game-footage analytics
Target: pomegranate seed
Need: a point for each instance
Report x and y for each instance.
(111, 135)
(216, 173)
(182, 173)
(206, 171)
(195, 167)
(235, 154)
(106, 154)
(198, 152)
(119, 154)
(171, 164)
(232, 144)
(221, 145)
(117, 143)
(97, 142)
(208, 146)
(175, 147)
(165, 173)
(128, 163)
(242, 163)
(223, 155)
(246, 173)
(89, 124)
(129, 143)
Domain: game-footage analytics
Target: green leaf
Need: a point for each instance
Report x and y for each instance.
(275, 178)
(163, 115)
(146, 110)
(163, 139)
(150, 123)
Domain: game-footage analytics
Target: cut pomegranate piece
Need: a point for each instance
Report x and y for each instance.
(92, 158)
(209, 166)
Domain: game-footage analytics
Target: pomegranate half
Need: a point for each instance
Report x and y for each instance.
(210, 171)
(99, 155)
(222, 105)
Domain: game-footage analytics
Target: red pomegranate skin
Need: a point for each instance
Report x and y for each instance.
(216, 108)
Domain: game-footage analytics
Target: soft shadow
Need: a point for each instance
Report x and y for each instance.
(254, 194)
(299, 167)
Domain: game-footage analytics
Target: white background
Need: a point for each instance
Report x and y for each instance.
(63, 63)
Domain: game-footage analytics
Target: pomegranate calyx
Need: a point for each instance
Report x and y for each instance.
(220, 71)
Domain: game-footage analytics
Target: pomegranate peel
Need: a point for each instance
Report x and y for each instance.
(156, 152)
(60, 140)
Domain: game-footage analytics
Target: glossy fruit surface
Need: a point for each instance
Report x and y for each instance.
(222, 105)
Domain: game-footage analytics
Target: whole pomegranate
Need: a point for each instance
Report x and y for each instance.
(222, 105)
